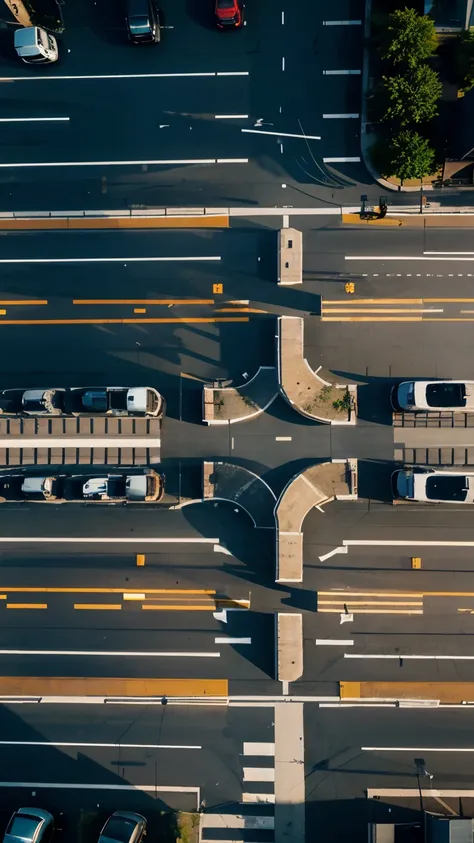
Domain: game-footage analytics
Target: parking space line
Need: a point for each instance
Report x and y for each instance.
(34, 119)
(155, 162)
(75, 744)
(209, 75)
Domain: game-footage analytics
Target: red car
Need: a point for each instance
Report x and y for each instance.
(229, 14)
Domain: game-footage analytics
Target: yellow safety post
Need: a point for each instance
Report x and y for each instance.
(416, 562)
(349, 287)
(217, 288)
(140, 559)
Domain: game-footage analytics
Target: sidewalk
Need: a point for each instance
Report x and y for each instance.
(289, 773)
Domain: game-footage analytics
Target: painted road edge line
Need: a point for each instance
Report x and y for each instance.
(99, 745)
(120, 653)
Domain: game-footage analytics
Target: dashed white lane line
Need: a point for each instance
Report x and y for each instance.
(341, 72)
(157, 162)
(340, 161)
(417, 749)
(282, 18)
(231, 116)
(34, 119)
(97, 745)
(103, 540)
(210, 75)
(399, 656)
(227, 640)
(145, 788)
(340, 116)
(424, 257)
(283, 63)
(152, 259)
(342, 22)
(333, 642)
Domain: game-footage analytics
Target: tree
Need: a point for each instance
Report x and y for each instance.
(464, 60)
(410, 38)
(412, 96)
(410, 156)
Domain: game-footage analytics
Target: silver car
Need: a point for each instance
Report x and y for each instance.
(29, 825)
(123, 827)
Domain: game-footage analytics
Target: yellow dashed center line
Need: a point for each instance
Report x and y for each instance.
(101, 606)
(27, 605)
(140, 301)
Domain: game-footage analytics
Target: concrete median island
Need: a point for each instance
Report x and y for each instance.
(317, 485)
(305, 391)
(229, 404)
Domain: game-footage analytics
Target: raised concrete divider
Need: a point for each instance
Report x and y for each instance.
(227, 482)
(290, 780)
(309, 394)
(312, 487)
(229, 404)
(289, 646)
(290, 256)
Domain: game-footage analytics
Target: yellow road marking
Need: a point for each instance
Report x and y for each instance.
(168, 221)
(379, 612)
(130, 321)
(239, 310)
(386, 593)
(382, 319)
(3, 312)
(94, 590)
(27, 605)
(32, 302)
(139, 309)
(133, 595)
(350, 602)
(3, 596)
(111, 687)
(106, 606)
(349, 689)
(141, 301)
(374, 310)
(157, 607)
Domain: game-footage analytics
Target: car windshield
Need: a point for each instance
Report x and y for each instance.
(446, 395)
(23, 826)
(445, 488)
(139, 24)
(225, 4)
(119, 829)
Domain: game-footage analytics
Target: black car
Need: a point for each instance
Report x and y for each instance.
(143, 21)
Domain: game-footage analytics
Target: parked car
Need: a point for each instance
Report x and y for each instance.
(434, 396)
(123, 827)
(147, 487)
(29, 825)
(83, 401)
(142, 19)
(35, 46)
(433, 485)
(229, 14)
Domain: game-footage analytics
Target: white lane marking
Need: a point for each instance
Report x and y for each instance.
(34, 119)
(98, 745)
(259, 774)
(467, 311)
(401, 543)
(341, 72)
(403, 257)
(263, 748)
(415, 792)
(341, 160)
(283, 438)
(343, 642)
(403, 656)
(78, 442)
(157, 162)
(429, 252)
(230, 116)
(253, 798)
(282, 18)
(120, 653)
(281, 134)
(342, 549)
(283, 63)
(416, 749)
(109, 260)
(342, 22)
(224, 640)
(145, 788)
(359, 705)
(102, 540)
(340, 116)
(285, 688)
(218, 548)
(211, 74)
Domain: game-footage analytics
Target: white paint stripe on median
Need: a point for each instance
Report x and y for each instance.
(125, 260)
(152, 162)
(209, 75)
(107, 653)
(73, 744)
(34, 119)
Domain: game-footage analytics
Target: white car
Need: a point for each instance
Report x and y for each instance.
(433, 486)
(433, 396)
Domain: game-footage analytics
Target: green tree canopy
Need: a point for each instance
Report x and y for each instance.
(412, 97)
(464, 60)
(410, 38)
(410, 156)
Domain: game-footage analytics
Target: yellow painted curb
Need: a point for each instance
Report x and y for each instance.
(111, 687)
(81, 223)
(445, 692)
(349, 690)
(356, 219)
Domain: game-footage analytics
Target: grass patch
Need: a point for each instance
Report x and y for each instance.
(179, 827)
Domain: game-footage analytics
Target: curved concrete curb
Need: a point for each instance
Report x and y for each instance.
(304, 390)
(227, 482)
(227, 405)
(310, 488)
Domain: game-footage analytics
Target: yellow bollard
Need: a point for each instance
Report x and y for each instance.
(416, 562)
(140, 559)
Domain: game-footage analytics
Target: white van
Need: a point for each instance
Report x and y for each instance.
(35, 46)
